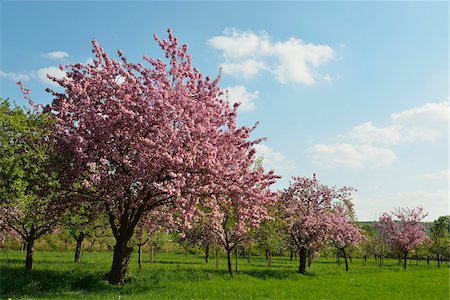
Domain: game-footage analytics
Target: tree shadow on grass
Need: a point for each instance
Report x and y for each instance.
(265, 274)
(15, 282)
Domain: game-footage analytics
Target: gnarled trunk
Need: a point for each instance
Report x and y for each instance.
(29, 257)
(79, 239)
(122, 253)
(302, 261)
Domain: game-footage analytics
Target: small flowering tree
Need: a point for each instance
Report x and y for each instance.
(243, 205)
(308, 211)
(149, 226)
(345, 233)
(404, 233)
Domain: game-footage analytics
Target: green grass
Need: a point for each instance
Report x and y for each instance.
(179, 276)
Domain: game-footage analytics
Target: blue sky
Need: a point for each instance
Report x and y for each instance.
(354, 92)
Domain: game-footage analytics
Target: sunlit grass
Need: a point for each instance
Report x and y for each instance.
(179, 276)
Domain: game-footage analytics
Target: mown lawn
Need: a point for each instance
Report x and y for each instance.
(179, 276)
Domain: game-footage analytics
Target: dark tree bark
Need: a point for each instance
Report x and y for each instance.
(29, 257)
(405, 257)
(79, 242)
(439, 260)
(207, 253)
(139, 255)
(121, 257)
(302, 261)
(309, 259)
(230, 270)
(236, 257)
(269, 258)
(217, 259)
(346, 260)
(291, 255)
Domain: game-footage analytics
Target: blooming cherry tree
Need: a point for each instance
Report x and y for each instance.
(404, 233)
(344, 233)
(308, 211)
(241, 205)
(143, 137)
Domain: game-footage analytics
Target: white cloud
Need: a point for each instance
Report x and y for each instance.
(61, 55)
(433, 202)
(292, 61)
(52, 71)
(328, 78)
(367, 133)
(351, 156)
(428, 122)
(236, 44)
(274, 159)
(240, 94)
(439, 175)
(14, 76)
(246, 69)
(297, 61)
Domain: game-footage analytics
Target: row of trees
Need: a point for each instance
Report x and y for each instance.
(142, 147)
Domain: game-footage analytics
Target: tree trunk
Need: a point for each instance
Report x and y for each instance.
(404, 260)
(207, 253)
(249, 256)
(92, 245)
(439, 260)
(230, 271)
(338, 260)
(217, 259)
(236, 254)
(346, 260)
(291, 255)
(302, 261)
(428, 260)
(309, 259)
(119, 267)
(139, 256)
(79, 239)
(269, 258)
(152, 254)
(24, 246)
(29, 257)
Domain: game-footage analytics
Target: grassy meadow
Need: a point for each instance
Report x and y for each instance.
(187, 276)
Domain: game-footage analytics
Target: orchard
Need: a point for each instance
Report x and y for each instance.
(148, 157)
